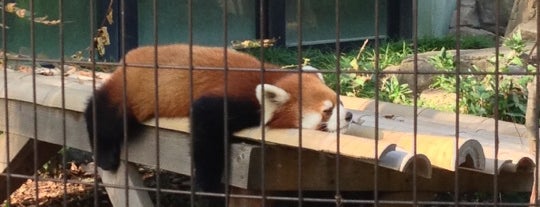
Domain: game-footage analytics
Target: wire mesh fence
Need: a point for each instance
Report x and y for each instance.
(218, 103)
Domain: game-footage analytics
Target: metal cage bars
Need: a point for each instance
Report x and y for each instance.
(338, 200)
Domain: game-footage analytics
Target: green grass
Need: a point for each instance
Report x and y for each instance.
(390, 52)
(358, 78)
(449, 42)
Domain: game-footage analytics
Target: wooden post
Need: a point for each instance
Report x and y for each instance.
(21, 160)
(239, 202)
(118, 195)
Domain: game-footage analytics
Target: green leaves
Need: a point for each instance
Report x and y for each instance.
(516, 43)
(443, 61)
(393, 91)
(477, 93)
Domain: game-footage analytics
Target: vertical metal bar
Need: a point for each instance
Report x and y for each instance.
(537, 88)
(496, 105)
(338, 196)
(92, 23)
(191, 97)
(225, 103)
(262, 19)
(6, 108)
(124, 101)
(457, 74)
(376, 133)
(63, 97)
(415, 98)
(156, 101)
(34, 98)
(299, 19)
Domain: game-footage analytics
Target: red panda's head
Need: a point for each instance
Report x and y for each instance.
(318, 105)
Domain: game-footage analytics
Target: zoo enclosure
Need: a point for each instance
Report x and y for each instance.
(40, 102)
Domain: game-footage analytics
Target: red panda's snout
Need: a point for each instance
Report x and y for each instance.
(340, 121)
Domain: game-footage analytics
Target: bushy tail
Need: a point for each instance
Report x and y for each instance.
(108, 131)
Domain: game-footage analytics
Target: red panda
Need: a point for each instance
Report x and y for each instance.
(245, 91)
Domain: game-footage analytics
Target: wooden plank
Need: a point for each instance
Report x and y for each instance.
(175, 157)
(48, 90)
(116, 187)
(319, 174)
(466, 122)
(174, 145)
(400, 123)
(513, 153)
(353, 146)
(22, 161)
(385, 108)
(440, 149)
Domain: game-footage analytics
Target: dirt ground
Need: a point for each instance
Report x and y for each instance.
(74, 186)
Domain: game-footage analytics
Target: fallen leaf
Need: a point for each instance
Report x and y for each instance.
(110, 16)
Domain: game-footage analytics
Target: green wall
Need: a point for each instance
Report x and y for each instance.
(357, 20)
(434, 17)
(207, 19)
(47, 38)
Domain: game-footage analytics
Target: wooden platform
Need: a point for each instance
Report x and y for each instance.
(434, 154)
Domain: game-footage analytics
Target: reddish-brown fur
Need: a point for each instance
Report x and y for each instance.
(281, 96)
(208, 79)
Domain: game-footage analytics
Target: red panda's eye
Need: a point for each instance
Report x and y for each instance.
(328, 111)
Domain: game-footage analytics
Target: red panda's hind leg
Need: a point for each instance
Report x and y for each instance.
(208, 135)
(109, 129)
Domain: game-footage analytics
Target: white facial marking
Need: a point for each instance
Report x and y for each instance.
(332, 124)
(327, 105)
(311, 120)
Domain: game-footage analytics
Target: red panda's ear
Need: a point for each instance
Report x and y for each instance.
(272, 94)
(273, 98)
(311, 68)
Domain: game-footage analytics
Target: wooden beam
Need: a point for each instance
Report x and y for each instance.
(174, 145)
(281, 162)
(319, 174)
(466, 122)
(437, 148)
